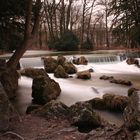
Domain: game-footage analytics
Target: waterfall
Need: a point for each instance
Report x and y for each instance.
(103, 58)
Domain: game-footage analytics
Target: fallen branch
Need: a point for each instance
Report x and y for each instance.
(14, 134)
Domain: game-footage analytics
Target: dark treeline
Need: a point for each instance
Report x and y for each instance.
(68, 24)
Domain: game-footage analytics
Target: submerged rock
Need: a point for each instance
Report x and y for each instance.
(60, 72)
(50, 64)
(44, 89)
(83, 75)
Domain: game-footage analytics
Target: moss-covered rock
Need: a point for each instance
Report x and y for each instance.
(69, 68)
(44, 89)
(80, 61)
(83, 116)
(132, 111)
(83, 75)
(97, 103)
(61, 60)
(131, 91)
(53, 109)
(131, 61)
(119, 103)
(50, 64)
(33, 72)
(60, 72)
(107, 98)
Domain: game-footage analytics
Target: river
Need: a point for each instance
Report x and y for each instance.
(74, 90)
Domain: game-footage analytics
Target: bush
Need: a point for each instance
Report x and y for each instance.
(87, 45)
(67, 42)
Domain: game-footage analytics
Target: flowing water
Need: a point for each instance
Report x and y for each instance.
(74, 90)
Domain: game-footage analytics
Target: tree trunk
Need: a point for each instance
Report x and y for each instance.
(29, 36)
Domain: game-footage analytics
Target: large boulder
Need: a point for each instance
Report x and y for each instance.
(83, 74)
(132, 111)
(61, 59)
(32, 72)
(69, 68)
(4, 110)
(50, 64)
(83, 116)
(60, 72)
(53, 109)
(44, 89)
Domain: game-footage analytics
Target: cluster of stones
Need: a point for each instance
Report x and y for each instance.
(116, 81)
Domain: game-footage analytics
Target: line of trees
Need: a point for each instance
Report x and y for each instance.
(67, 24)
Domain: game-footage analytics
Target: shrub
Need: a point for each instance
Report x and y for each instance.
(67, 42)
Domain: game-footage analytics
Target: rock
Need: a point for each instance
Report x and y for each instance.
(132, 111)
(31, 108)
(53, 109)
(131, 90)
(4, 110)
(83, 75)
(119, 103)
(80, 61)
(50, 64)
(9, 80)
(104, 77)
(83, 116)
(131, 61)
(107, 98)
(97, 103)
(60, 72)
(115, 102)
(44, 89)
(122, 82)
(69, 68)
(61, 60)
(33, 72)
(91, 70)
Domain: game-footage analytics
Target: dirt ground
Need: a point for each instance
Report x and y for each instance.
(37, 128)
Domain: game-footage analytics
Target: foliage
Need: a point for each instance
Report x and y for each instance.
(12, 13)
(67, 42)
(127, 20)
(87, 45)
